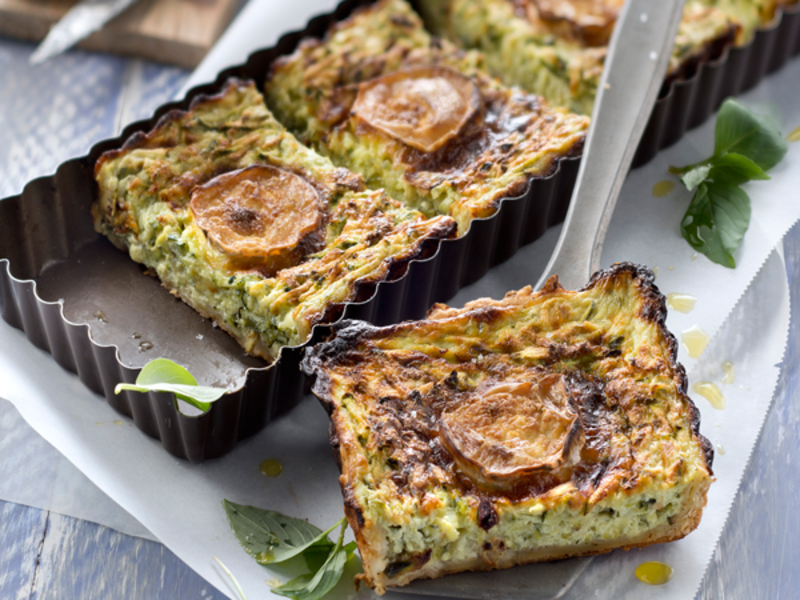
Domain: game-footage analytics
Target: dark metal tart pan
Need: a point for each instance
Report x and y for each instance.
(88, 304)
(688, 101)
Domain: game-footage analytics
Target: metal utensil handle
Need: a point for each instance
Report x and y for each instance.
(637, 59)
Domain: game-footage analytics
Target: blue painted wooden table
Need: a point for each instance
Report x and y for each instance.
(56, 111)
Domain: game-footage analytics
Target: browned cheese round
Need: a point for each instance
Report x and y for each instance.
(258, 216)
(422, 107)
(513, 430)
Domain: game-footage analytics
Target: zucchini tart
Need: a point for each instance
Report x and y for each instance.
(556, 48)
(541, 426)
(417, 116)
(248, 226)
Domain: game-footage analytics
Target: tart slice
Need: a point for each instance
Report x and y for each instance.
(556, 48)
(250, 227)
(418, 117)
(541, 426)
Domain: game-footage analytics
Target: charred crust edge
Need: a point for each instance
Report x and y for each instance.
(487, 514)
(655, 311)
(350, 333)
(139, 138)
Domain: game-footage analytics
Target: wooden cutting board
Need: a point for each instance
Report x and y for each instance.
(178, 32)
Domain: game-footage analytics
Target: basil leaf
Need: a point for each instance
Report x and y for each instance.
(695, 176)
(228, 572)
(164, 375)
(163, 370)
(743, 132)
(716, 221)
(734, 169)
(308, 587)
(316, 554)
(271, 537)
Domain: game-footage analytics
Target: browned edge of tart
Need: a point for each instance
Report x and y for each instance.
(348, 334)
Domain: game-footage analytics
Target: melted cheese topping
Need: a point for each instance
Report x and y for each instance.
(423, 107)
(512, 430)
(259, 215)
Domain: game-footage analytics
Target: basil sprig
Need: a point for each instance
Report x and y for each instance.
(746, 146)
(164, 375)
(271, 537)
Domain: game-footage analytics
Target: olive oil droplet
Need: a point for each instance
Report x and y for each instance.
(145, 346)
(654, 573)
(681, 302)
(710, 392)
(794, 136)
(101, 316)
(270, 467)
(662, 188)
(720, 449)
(695, 340)
(118, 422)
(727, 368)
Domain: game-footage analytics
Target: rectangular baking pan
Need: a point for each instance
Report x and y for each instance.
(89, 305)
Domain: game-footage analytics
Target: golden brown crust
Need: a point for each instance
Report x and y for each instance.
(497, 138)
(428, 433)
(250, 227)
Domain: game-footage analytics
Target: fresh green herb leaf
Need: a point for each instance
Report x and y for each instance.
(743, 132)
(695, 176)
(164, 375)
(350, 549)
(314, 587)
(271, 537)
(316, 554)
(236, 585)
(734, 169)
(716, 221)
(746, 145)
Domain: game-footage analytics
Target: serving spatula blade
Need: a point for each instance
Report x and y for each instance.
(637, 59)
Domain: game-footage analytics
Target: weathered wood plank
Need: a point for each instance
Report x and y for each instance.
(22, 530)
(87, 561)
(175, 31)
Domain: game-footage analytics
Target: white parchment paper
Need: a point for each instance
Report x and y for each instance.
(34, 473)
(180, 503)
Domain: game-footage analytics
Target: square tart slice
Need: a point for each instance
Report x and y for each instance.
(418, 117)
(556, 48)
(248, 226)
(541, 426)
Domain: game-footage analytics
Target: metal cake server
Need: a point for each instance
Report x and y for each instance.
(634, 69)
(80, 21)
